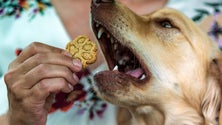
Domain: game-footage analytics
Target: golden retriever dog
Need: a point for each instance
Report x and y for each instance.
(163, 68)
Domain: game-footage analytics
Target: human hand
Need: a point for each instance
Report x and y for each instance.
(34, 77)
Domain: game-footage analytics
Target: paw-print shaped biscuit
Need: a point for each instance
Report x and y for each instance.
(84, 49)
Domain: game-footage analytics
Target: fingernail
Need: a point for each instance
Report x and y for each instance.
(75, 77)
(67, 53)
(78, 64)
(70, 86)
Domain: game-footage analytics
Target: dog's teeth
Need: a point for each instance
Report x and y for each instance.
(101, 31)
(97, 25)
(123, 60)
(115, 68)
(108, 36)
(116, 41)
(115, 46)
(142, 77)
(111, 40)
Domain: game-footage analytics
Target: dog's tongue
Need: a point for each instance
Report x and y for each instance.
(136, 72)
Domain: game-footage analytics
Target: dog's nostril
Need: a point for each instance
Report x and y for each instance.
(103, 1)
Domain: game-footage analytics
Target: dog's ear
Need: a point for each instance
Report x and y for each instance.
(212, 101)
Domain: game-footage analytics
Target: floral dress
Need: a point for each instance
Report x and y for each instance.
(24, 21)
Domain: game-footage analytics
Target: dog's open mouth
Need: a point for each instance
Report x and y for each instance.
(119, 57)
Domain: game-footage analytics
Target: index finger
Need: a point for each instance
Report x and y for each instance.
(34, 48)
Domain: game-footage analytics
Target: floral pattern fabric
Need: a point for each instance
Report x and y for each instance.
(86, 100)
(215, 30)
(17, 7)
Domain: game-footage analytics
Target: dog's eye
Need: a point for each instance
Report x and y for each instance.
(166, 24)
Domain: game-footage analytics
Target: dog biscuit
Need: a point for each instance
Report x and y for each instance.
(84, 49)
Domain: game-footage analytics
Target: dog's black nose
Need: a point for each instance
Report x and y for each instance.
(103, 1)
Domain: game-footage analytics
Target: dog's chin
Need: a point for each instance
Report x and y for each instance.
(115, 87)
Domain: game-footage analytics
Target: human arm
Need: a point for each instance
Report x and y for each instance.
(4, 119)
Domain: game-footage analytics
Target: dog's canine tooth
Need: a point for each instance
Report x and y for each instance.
(100, 32)
(115, 68)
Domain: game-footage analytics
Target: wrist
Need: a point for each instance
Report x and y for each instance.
(16, 118)
(4, 119)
